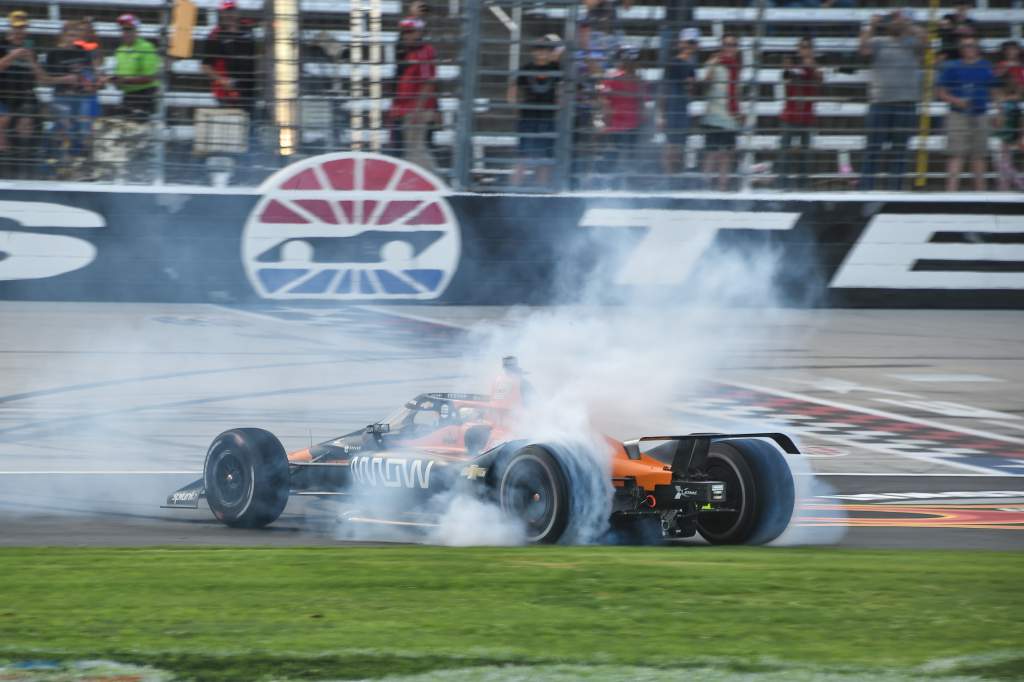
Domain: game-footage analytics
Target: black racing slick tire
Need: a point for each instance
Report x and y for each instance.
(246, 478)
(759, 488)
(534, 489)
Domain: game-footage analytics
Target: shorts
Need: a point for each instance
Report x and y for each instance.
(537, 147)
(677, 127)
(717, 139)
(967, 135)
(19, 107)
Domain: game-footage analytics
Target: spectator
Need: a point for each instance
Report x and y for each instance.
(19, 71)
(623, 98)
(954, 26)
(414, 107)
(803, 85)
(676, 92)
(722, 117)
(136, 70)
(229, 60)
(70, 71)
(597, 31)
(895, 91)
(90, 42)
(587, 112)
(536, 89)
(1010, 77)
(418, 9)
(966, 84)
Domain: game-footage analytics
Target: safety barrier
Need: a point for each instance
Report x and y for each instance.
(361, 227)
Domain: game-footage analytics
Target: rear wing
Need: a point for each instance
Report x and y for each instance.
(692, 449)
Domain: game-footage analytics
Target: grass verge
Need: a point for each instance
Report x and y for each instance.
(367, 612)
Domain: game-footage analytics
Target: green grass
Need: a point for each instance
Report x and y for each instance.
(365, 612)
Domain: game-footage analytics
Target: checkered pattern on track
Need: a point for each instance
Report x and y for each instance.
(852, 427)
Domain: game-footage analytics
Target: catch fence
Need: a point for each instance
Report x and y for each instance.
(510, 95)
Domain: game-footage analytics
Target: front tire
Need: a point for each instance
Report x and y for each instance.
(246, 478)
(533, 489)
(759, 486)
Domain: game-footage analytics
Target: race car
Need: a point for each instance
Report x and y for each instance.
(729, 488)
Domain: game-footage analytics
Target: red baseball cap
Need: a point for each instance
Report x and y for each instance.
(228, 5)
(411, 24)
(128, 21)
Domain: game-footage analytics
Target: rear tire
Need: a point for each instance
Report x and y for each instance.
(533, 488)
(758, 484)
(246, 478)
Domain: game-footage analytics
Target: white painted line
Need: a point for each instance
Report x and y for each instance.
(823, 474)
(878, 413)
(945, 378)
(100, 473)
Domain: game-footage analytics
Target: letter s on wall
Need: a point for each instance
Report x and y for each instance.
(31, 255)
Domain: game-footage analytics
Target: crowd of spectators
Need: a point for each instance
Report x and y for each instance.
(623, 123)
(613, 112)
(41, 139)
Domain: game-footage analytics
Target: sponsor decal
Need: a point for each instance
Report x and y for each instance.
(185, 497)
(682, 492)
(676, 238)
(351, 226)
(474, 471)
(31, 254)
(392, 472)
(936, 251)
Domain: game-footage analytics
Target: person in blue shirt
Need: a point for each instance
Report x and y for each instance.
(966, 84)
(677, 88)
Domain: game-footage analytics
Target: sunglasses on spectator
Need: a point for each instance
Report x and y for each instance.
(730, 43)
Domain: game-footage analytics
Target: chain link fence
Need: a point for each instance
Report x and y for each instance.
(517, 95)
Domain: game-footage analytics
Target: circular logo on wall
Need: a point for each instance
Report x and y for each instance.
(351, 226)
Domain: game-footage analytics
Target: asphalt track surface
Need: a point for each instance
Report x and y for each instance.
(912, 421)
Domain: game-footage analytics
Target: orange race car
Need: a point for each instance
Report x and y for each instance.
(729, 488)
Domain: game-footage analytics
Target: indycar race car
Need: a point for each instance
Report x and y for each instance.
(730, 488)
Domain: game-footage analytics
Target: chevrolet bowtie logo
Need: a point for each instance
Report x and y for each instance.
(473, 472)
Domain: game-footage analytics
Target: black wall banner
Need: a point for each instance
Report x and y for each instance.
(359, 227)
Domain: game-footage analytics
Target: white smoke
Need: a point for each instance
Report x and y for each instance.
(619, 369)
(468, 521)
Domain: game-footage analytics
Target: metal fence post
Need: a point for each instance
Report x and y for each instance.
(565, 125)
(463, 143)
(159, 122)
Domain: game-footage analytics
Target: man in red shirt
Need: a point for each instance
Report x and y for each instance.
(803, 85)
(414, 107)
(230, 60)
(622, 98)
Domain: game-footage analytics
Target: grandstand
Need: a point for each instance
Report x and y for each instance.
(347, 56)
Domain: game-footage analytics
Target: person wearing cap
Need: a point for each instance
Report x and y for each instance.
(136, 71)
(894, 47)
(414, 107)
(623, 100)
(954, 26)
(19, 109)
(535, 89)
(230, 59)
(674, 100)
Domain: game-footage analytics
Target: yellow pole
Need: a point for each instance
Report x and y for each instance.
(924, 125)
